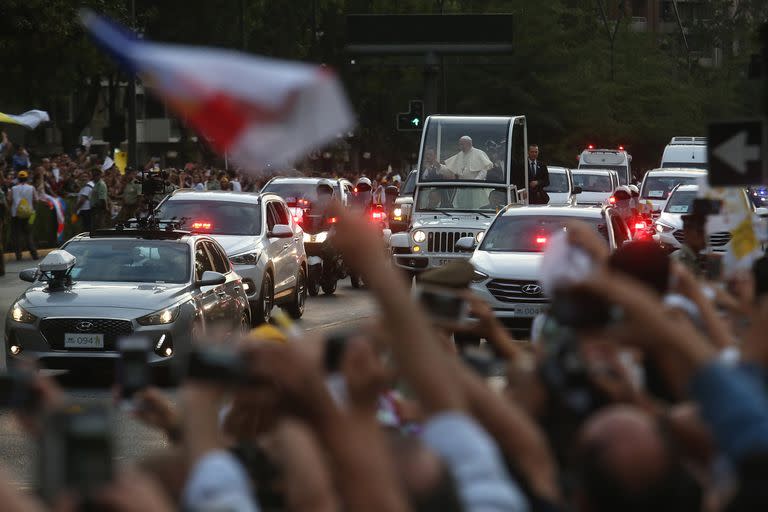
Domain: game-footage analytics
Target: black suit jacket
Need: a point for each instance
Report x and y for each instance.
(537, 195)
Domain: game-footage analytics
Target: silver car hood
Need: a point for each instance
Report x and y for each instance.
(236, 244)
(92, 295)
(592, 197)
(559, 198)
(460, 221)
(508, 265)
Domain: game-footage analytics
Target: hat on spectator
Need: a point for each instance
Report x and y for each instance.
(456, 274)
(22, 175)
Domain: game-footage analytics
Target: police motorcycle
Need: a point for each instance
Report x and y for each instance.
(325, 264)
(377, 214)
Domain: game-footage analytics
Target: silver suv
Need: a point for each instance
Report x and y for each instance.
(261, 240)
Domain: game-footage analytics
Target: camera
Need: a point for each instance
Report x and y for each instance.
(706, 207)
(152, 182)
(445, 306)
(76, 451)
(217, 364)
(17, 391)
(133, 371)
(579, 310)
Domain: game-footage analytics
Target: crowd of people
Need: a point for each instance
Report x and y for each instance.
(652, 398)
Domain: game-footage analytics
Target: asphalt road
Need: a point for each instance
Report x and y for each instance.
(17, 452)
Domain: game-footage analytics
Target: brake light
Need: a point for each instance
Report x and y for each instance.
(302, 202)
(621, 148)
(591, 146)
(202, 225)
(541, 240)
(377, 215)
(333, 220)
(612, 200)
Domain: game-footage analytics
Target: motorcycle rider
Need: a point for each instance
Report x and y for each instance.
(363, 193)
(623, 204)
(319, 221)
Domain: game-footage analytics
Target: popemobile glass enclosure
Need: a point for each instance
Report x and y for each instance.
(470, 167)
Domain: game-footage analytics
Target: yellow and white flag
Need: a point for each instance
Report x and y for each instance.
(30, 119)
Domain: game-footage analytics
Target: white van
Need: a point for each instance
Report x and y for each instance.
(685, 153)
(614, 159)
(658, 184)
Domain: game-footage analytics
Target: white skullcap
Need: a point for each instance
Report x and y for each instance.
(467, 138)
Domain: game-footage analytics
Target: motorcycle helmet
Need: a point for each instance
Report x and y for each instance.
(634, 190)
(363, 185)
(622, 193)
(324, 188)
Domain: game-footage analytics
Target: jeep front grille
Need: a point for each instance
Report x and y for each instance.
(445, 241)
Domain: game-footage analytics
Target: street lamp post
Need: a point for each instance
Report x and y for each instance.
(132, 156)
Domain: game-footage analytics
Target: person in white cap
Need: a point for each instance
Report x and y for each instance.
(470, 163)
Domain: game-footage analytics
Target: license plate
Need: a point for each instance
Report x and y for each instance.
(442, 262)
(528, 311)
(72, 340)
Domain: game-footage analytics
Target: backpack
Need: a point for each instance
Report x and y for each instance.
(24, 209)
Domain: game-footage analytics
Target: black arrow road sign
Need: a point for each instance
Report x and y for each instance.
(736, 153)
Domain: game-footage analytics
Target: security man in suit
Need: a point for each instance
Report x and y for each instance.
(538, 177)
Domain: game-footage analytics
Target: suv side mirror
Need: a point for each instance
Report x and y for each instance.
(465, 244)
(577, 190)
(281, 231)
(29, 275)
(211, 278)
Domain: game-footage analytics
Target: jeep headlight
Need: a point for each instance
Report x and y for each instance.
(162, 317)
(246, 258)
(21, 315)
(419, 236)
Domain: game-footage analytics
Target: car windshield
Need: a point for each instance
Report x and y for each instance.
(214, 217)
(489, 199)
(465, 149)
(558, 182)
(529, 233)
(130, 261)
(592, 182)
(681, 202)
(659, 187)
(292, 192)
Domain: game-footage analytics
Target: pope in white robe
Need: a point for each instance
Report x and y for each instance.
(470, 163)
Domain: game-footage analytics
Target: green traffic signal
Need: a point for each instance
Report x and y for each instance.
(415, 121)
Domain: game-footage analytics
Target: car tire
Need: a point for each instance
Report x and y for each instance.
(329, 286)
(313, 286)
(266, 302)
(296, 307)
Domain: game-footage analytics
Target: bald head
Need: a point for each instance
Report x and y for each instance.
(627, 443)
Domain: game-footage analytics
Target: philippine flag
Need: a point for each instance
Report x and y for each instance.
(257, 110)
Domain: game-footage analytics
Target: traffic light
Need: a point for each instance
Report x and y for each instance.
(413, 119)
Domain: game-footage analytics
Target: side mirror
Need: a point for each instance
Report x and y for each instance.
(281, 231)
(29, 275)
(577, 190)
(465, 244)
(211, 278)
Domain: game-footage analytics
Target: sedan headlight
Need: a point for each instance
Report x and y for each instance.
(246, 258)
(478, 277)
(479, 237)
(21, 315)
(663, 228)
(162, 317)
(419, 236)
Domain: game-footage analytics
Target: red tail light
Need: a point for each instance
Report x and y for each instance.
(639, 225)
(541, 240)
(612, 200)
(333, 220)
(377, 215)
(202, 226)
(621, 148)
(591, 146)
